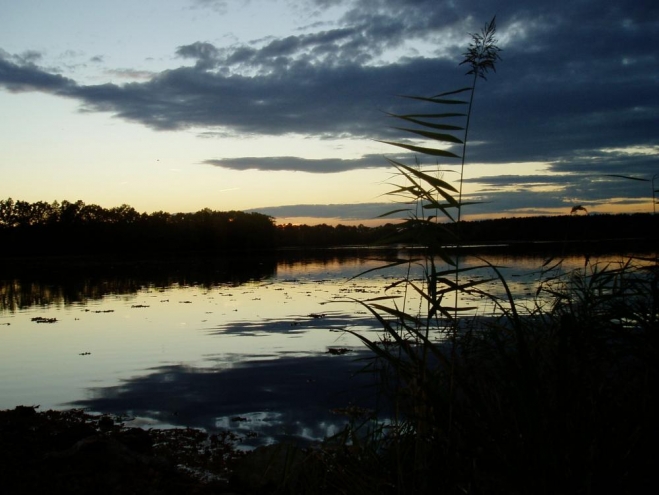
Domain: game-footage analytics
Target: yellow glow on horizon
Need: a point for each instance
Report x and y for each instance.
(333, 221)
(609, 208)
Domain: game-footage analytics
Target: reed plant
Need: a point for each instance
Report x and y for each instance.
(557, 396)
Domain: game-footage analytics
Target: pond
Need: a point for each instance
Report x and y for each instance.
(252, 344)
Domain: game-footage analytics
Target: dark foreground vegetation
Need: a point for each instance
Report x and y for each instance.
(45, 229)
(70, 452)
(558, 398)
(74, 453)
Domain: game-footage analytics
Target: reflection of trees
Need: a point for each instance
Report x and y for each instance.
(331, 258)
(63, 282)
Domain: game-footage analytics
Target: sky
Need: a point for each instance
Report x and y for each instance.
(280, 106)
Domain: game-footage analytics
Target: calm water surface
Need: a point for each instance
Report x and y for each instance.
(242, 344)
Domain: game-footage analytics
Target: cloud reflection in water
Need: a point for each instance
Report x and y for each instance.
(279, 398)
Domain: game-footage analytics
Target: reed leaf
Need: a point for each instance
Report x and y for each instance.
(511, 299)
(438, 184)
(431, 125)
(446, 258)
(424, 150)
(456, 91)
(437, 136)
(393, 212)
(433, 115)
(627, 177)
(400, 365)
(461, 287)
(452, 271)
(436, 100)
(383, 267)
(434, 204)
(401, 315)
(460, 309)
(434, 303)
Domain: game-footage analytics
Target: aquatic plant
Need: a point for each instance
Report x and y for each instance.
(554, 397)
(415, 357)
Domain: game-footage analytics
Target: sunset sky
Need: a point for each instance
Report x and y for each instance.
(276, 106)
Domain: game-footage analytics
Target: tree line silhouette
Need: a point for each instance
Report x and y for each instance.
(77, 228)
(41, 228)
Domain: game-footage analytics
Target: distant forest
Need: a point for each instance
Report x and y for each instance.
(29, 229)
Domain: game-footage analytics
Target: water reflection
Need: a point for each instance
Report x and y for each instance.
(209, 343)
(44, 282)
(289, 396)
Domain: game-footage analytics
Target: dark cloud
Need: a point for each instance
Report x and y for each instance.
(131, 74)
(29, 57)
(292, 163)
(587, 177)
(345, 212)
(576, 78)
(24, 76)
(205, 54)
(600, 163)
(538, 193)
(496, 202)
